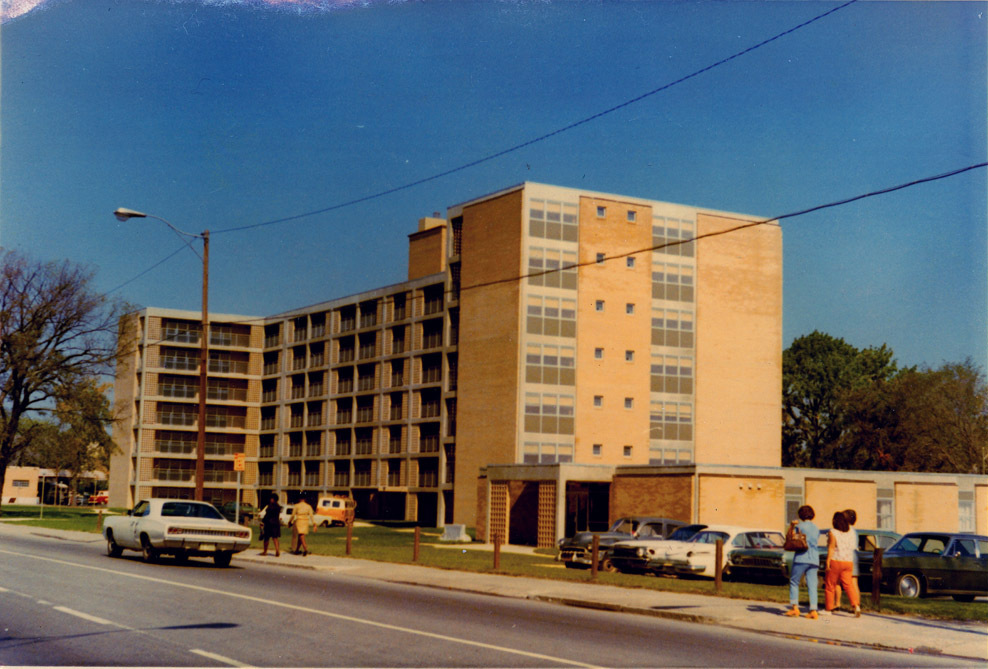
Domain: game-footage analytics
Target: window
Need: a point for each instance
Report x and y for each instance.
(884, 510)
(627, 451)
(596, 449)
(599, 305)
(20, 483)
(598, 353)
(631, 216)
(965, 510)
(600, 257)
(629, 308)
(629, 356)
(630, 261)
(629, 402)
(598, 400)
(601, 212)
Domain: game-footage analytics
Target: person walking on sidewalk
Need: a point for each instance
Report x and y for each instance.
(301, 520)
(805, 563)
(841, 544)
(271, 525)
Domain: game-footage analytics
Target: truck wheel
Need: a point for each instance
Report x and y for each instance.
(148, 552)
(113, 549)
(909, 585)
(222, 558)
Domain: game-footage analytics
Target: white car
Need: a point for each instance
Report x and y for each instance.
(697, 557)
(178, 527)
(642, 556)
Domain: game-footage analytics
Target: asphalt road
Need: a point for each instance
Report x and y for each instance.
(67, 603)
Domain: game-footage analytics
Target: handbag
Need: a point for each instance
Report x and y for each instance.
(795, 540)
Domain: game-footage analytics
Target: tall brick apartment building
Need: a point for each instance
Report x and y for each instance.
(556, 357)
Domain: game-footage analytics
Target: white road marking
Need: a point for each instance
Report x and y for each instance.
(86, 616)
(319, 612)
(219, 658)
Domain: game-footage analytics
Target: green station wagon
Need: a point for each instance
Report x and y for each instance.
(937, 563)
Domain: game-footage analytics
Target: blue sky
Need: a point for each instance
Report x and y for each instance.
(218, 114)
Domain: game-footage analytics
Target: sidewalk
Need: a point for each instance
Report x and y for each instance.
(882, 631)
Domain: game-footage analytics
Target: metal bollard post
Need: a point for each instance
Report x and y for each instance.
(349, 538)
(99, 520)
(497, 552)
(415, 546)
(876, 579)
(594, 556)
(719, 565)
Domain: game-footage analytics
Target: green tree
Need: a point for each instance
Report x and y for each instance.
(818, 372)
(57, 335)
(930, 420)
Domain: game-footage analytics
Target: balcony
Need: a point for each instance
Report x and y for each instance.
(295, 450)
(344, 417)
(271, 341)
(181, 391)
(341, 478)
(265, 479)
(298, 363)
(364, 447)
(269, 423)
(298, 392)
(270, 368)
(430, 409)
(267, 451)
(297, 420)
(428, 478)
(317, 360)
(220, 366)
(176, 417)
(347, 324)
(311, 478)
(429, 443)
(394, 477)
(365, 383)
(220, 338)
(313, 450)
(432, 340)
(225, 420)
(176, 475)
(362, 478)
(315, 390)
(346, 354)
(344, 386)
(219, 476)
(226, 393)
(180, 362)
(315, 419)
(182, 335)
(432, 374)
(294, 479)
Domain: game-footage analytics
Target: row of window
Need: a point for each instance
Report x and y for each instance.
(553, 220)
(549, 413)
(547, 452)
(559, 268)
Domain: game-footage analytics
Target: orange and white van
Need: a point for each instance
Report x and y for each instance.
(334, 510)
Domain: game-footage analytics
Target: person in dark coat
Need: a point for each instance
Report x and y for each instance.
(271, 525)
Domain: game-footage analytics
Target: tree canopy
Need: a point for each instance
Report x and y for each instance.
(845, 408)
(57, 335)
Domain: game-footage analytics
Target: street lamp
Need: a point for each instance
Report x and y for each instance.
(123, 214)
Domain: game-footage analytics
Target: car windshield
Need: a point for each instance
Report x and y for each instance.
(711, 537)
(763, 539)
(190, 510)
(624, 525)
(683, 533)
(921, 543)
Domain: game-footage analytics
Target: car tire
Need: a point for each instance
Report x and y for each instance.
(963, 598)
(607, 565)
(148, 552)
(113, 549)
(909, 585)
(222, 558)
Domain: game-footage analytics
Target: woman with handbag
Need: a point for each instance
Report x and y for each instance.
(802, 538)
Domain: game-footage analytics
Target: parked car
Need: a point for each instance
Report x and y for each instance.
(772, 561)
(633, 557)
(575, 551)
(921, 564)
(697, 557)
(99, 498)
(182, 528)
(229, 511)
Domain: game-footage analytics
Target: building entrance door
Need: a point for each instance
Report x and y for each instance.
(587, 507)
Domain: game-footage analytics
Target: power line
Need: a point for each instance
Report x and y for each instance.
(657, 247)
(540, 138)
(135, 278)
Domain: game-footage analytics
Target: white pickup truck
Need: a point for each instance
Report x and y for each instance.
(177, 527)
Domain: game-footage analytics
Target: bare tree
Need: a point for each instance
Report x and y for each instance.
(57, 335)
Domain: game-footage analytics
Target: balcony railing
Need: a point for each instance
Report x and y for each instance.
(367, 351)
(346, 354)
(315, 390)
(298, 392)
(347, 324)
(432, 375)
(271, 341)
(368, 320)
(228, 339)
(364, 447)
(295, 450)
(228, 366)
(428, 478)
(361, 478)
(294, 479)
(298, 421)
(176, 418)
(178, 390)
(432, 340)
(219, 476)
(269, 396)
(315, 419)
(265, 479)
(365, 414)
(316, 360)
(313, 450)
(225, 393)
(318, 330)
(269, 423)
(394, 445)
(174, 474)
(180, 335)
(341, 478)
(344, 417)
(311, 478)
(343, 448)
(344, 386)
(394, 477)
(267, 451)
(430, 409)
(365, 383)
(180, 362)
(429, 444)
(396, 411)
(298, 363)
(271, 368)
(224, 420)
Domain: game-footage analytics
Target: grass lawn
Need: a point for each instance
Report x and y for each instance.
(394, 543)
